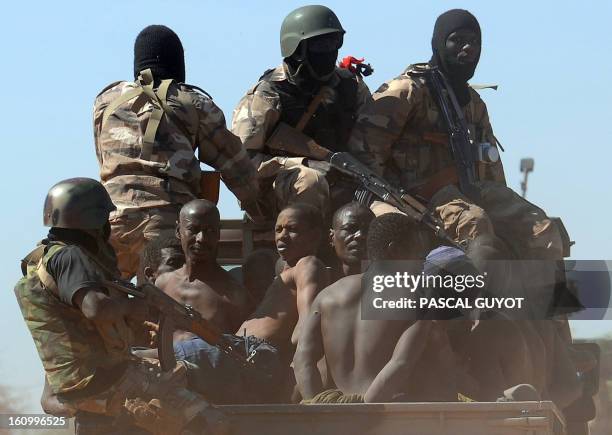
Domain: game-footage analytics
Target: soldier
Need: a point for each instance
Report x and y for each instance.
(404, 136)
(146, 133)
(307, 98)
(80, 327)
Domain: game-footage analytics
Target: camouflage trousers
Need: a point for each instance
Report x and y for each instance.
(131, 231)
(500, 212)
(294, 182)
(155, 401)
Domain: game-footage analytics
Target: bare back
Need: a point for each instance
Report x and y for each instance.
(357, 351)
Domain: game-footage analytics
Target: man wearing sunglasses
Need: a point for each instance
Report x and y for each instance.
(305, 100)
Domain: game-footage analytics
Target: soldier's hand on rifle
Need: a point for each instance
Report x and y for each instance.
(108, 315)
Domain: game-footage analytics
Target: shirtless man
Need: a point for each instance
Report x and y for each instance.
(279, 316)
(348, 235)
(201, 282)
(374, 360)
(266, 335)
(162, 254)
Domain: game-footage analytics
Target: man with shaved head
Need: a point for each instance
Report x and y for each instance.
(348, 236)
(201, 282)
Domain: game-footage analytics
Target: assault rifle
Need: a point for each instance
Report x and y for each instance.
(407, 204)
(459, 137)
(172, 316)
(292, 142)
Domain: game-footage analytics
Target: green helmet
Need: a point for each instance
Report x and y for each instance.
(77, 203)
(307, 22)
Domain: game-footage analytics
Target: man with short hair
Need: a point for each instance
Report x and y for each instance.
(389, 359)
(348, 235)
(277, 319)
(307, 97)
(146, 134)
(81, 327)
(267, 335)
(161, 255)
(202, 282)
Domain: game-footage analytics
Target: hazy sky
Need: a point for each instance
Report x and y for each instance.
(550, 59)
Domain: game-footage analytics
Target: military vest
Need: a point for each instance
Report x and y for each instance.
(69, 345)
(332, 122)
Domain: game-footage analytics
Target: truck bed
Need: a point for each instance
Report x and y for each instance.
(508, 418)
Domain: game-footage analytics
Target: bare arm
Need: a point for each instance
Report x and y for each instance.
(309, 351)
(408, 351)
(310, 278)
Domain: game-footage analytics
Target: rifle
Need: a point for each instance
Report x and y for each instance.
(459, 137)
(292, 142)
(174, 315)
(407, 204)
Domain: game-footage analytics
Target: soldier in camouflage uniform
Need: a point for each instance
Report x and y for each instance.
(403, 136)
(146, 133)
(81, 329)
(310, 39)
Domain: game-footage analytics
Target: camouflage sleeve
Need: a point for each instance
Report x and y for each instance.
(381, 120)
(222, 150)
(255, 118)
(492, 172)
(100, 104)
(363, 93)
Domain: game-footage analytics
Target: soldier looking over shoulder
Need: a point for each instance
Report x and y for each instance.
(147, 133)
(304, 100)
(81, 328)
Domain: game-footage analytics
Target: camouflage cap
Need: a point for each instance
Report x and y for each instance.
(307, 22)
(77, 203)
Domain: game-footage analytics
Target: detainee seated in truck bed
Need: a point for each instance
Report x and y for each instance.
(374, 360)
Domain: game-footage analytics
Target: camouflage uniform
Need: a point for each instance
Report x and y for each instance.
(275, 99)
(87, 374)
(149, 190)
(402, 136)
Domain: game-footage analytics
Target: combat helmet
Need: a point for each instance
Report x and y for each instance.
(307, 22)
(77, 203)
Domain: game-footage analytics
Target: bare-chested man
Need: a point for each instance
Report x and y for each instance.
(279, 316)
(348, 236)
(374, 360)
(201, 282)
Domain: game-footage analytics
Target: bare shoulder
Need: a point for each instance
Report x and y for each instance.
(168, 281)
(340, 292)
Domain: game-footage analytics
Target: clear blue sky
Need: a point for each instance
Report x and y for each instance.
(551, 60)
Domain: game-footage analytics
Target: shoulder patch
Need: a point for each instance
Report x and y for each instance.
(112, 85)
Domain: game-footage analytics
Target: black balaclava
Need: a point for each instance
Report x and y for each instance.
(160, 49)
(314, 61)
(456, 74)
